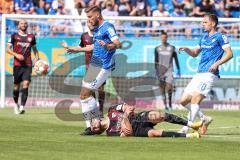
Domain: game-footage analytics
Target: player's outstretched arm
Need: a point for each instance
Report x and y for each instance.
(223, 60)
(76, 49)
(192, 52)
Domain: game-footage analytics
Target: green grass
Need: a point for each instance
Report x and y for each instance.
(40, 135)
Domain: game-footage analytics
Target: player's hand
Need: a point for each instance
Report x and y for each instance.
(213, 68)
(64, 44)
(181, 49)
(19, 57)
(101, 42)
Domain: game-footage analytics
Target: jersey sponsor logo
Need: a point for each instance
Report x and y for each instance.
(225, 39)
(205, 46)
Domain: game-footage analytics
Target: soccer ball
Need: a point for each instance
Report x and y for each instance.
(41, 67)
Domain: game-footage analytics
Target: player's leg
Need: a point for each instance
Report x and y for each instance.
(169, 88)
(26, 77)
(15, 97)
(162, 133)
(101, 98)
(16, 87)
(157, 117)
(94, 78)
(162, 87)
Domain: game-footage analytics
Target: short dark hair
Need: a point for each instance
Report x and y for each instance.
(213, 18)
(93, 8)
(164, 33)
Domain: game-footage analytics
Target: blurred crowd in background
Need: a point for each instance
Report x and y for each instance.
(156, 8)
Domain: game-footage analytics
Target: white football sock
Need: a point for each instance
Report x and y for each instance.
(194, 111)
(88, 105)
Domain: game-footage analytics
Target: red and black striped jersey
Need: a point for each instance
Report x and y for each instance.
(22, 44)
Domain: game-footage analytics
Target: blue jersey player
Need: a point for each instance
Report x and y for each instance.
(212, 47)
(105, 43)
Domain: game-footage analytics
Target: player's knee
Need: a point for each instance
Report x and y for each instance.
(26, 84)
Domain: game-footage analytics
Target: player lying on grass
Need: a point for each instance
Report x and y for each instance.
(123, 121)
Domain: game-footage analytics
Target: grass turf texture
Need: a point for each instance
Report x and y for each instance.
(39, 135)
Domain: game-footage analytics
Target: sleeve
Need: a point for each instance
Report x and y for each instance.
(11, 40)
(223, 41)
(111, 32)
(33, 41)
(81, 41)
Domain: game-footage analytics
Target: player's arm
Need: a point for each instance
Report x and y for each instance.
(11, 52)
(115, 43)
(156, 58)
(36, 53)
(192, 52)
(177, 63)
(126, 128)
(110, 46)
(76, 49)
(224, 59)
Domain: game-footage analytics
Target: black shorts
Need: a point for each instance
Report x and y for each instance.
(141, 124)
(21, 74)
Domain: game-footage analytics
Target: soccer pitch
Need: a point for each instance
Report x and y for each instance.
(40, 135)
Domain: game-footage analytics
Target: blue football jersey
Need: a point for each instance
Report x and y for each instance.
(211, 49)
(103, 57)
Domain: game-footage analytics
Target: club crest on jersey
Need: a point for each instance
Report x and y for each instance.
(29, 39)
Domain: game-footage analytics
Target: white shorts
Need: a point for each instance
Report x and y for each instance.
(95, 77)
(201, 83)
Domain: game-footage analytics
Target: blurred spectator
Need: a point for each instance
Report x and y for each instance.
(48, 4)
(206, 6)
(6, 6)
(168, 5)
(219, 8)
(228, 27)
(234, 6)
(40, 9)
(79, 5)
(124, 8)
(180, 26)
(140, 8)
(178, 3)
(188, 6)
(159, 13)
(109, 11)
(23, 6)
(153, 5)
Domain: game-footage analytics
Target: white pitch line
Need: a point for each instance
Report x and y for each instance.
(213, 128)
